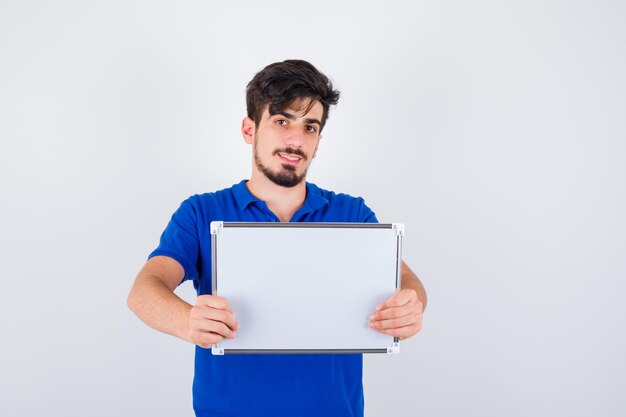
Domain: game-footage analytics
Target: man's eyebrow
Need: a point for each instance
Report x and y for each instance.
(294, 117)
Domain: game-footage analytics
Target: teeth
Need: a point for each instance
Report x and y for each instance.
(291, 158)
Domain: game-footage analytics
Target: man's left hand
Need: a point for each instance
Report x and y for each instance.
(399, 316)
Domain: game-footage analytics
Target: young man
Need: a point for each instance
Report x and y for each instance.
(288, 104)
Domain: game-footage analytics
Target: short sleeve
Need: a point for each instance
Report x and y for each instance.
(366, 215)
(179, 240)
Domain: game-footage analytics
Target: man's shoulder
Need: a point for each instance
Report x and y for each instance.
(338, 207)
(207, 195)
(333, 197)
(224, 198)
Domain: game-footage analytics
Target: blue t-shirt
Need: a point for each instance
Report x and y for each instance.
(262, 385)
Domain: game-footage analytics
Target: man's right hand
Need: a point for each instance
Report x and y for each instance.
(153, 300)
(211, 321)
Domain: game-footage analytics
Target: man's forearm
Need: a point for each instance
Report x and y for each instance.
(157, 306)
(410, 280)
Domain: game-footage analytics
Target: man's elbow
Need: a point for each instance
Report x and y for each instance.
(134, 299)
(131, 301)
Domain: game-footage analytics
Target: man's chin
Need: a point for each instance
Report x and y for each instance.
(286, 178)
(287, 182)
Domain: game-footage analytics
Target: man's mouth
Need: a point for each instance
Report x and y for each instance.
(291, 156)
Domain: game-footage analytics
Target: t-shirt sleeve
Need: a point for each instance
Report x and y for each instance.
(180, 239)
(366, 215)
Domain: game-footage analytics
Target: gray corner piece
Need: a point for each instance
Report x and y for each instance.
(216, 226)
(217, 350)
(395, 348)
(399, 228)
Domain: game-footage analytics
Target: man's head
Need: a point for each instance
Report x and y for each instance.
(280, 84)
(288, 105)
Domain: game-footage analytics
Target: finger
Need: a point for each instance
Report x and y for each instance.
(206, 339)
(395, 312)
(395, 323)
(213, 301)
(400, 298)
(200, 314)
(221, 316)
(199, 326)
(411, 307)
(220, 329)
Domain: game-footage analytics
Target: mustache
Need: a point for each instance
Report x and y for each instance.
(293, 151)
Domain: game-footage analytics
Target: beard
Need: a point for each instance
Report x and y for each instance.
(287, 176)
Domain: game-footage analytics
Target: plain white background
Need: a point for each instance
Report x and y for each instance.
(496, 131)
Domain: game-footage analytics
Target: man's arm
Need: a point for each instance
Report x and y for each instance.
(401, 314)
(153, 300)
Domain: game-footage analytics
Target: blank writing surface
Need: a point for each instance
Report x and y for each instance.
(305, 288)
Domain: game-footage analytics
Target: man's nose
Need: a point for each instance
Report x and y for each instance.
(295, 137)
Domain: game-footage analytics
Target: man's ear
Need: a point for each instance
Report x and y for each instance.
(247, 130)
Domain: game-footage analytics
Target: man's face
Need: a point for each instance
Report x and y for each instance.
(285, 143)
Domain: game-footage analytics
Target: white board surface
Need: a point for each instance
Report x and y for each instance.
(305, 287)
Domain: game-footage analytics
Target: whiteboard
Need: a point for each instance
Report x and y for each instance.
(306, 287)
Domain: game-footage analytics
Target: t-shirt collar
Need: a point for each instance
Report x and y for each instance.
(243, 196)
(313, 201)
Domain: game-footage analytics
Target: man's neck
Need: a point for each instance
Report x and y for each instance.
(282, 201)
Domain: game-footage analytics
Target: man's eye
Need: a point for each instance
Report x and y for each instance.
(311, 129)
(281, 122)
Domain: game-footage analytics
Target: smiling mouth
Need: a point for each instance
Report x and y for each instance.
(290, 157)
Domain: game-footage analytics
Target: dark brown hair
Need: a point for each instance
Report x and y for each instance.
(281, 83)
